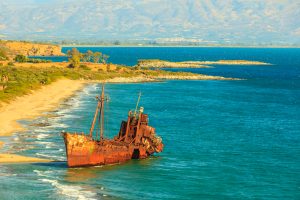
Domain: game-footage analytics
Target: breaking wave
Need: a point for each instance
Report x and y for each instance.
(56, 158)
(69, 191)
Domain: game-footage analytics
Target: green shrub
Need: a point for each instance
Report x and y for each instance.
(37, 60)
(21, 58)
(71, 65)
(74, 57)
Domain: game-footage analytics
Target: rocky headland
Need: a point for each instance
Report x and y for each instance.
(31, 49)
(154, 63)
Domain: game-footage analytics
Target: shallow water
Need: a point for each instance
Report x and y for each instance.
(223, 139)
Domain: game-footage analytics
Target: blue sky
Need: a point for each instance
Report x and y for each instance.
(203, 21)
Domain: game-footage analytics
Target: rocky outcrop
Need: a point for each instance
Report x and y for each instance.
(193, 64)
(228, 62)
(32, 49)
(191, 77)
(167, 64)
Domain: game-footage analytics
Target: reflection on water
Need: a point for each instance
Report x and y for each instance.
(81, 174)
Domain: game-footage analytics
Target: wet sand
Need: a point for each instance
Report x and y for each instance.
(13, 158)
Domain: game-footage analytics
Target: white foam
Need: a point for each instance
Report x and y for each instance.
(48, 145)
(42, 136)
(59, 125)
(71, 191)
(43, 173)
(58, 158)
(41, 130)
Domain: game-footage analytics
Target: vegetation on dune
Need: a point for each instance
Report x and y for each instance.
(23, 80)
(20, 58)
(23, 59)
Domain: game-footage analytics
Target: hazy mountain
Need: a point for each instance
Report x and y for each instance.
(253, 21)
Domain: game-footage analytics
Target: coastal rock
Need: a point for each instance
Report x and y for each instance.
(167, 64)
(32, 49)
(154, 63)
(193, 77)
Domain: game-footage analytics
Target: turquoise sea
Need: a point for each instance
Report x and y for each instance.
(223, 139)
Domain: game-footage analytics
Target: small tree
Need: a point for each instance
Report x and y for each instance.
(97, 56)
(87, 57)
(104, 58)
(74, 57)
(34, 50)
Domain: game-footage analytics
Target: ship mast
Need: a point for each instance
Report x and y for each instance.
(137, 103)
(100, 108)
(102, 113)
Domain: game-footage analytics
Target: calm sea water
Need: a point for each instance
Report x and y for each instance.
(223, 139)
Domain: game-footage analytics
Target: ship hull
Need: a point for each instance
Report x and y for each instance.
(81, 150)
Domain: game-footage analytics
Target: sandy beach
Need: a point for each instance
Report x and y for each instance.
(34, 104)
(30, 106)
(13, 158)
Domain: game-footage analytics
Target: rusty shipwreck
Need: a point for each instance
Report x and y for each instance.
(135, 140)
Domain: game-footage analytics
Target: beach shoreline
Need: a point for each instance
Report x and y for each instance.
(50, 96)
(30, 106)
(35, 103)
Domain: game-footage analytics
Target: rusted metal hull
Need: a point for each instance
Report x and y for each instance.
(82, 150)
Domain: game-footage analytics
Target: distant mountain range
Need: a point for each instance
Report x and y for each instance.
(166, 21)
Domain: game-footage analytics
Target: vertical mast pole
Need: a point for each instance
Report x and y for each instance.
(137, 104)
(102, 113)
(94, 120)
